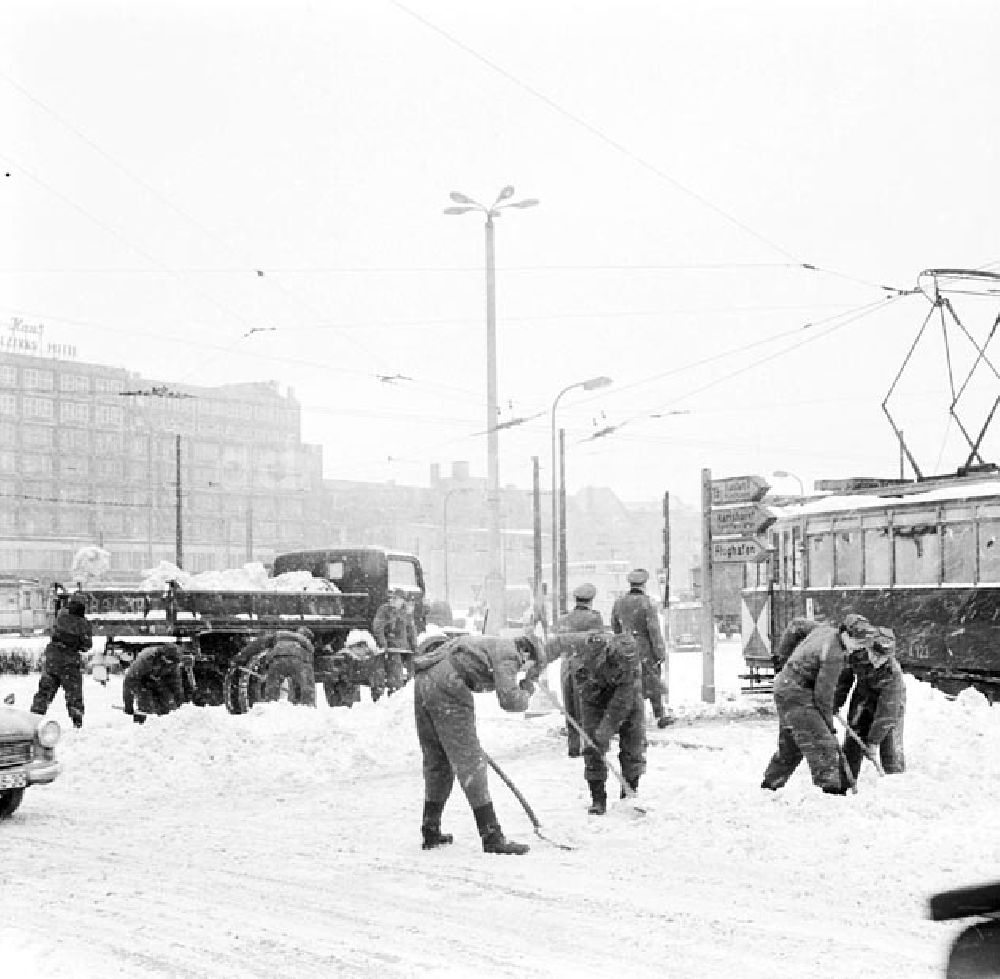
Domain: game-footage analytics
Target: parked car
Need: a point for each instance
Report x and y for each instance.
(27, 753)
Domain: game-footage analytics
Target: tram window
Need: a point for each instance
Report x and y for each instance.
(877, 557)
(917, 554)
(989, 550)
(820, 560)
(848, 547)
(959, 553)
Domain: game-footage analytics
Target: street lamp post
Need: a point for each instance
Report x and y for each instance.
(495, 588)
(783, 474)
(591, 384)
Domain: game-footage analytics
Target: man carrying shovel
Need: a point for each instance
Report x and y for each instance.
(445, 680)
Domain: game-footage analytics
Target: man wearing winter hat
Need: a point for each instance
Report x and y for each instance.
(877, 704)
(635, 613)
(72, 636)
(804, 695)
(582, 619)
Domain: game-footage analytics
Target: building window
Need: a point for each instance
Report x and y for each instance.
(77, 439)
(107, 442)
(8, 433)
(39, 407)
(107, 385)
(108, 415)
(7, 462)
(8, 404)
(8, 377)
(37, 380)
(72, 412)
(74, 382)
(32, 465)
(37, 436)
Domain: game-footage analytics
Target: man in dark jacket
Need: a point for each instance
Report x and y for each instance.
(877, 705)
(581, 619)
(72, 636)
(609, 678)
(635, 613)
(394, 630)
(161, 678)
(804, 694)
(445, 712)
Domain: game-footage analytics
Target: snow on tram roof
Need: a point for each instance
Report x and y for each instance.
(952, 492)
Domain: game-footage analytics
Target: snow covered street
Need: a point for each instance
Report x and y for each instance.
(285, 842)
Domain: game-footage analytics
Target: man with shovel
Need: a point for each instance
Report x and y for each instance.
(446, 677)
(609, 678)
(804, 693)
(877, 705)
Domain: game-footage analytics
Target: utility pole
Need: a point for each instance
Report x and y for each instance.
(536, 511)
(707, 592)
(563, 576)
(179, 556)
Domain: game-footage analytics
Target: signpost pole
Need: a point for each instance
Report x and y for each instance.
(707, 612)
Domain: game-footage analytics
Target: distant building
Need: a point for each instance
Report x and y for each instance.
(84, 461)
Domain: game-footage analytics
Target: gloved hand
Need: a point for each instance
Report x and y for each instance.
(533, 672)
(527, 686)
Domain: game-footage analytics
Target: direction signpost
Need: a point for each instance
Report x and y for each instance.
(732, 516)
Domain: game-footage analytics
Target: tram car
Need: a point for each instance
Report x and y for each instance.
(23, 605)
(922, 557)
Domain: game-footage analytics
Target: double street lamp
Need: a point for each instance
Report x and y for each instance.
(495, 588)
(558, 589)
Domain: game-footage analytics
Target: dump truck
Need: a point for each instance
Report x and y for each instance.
(244, 642)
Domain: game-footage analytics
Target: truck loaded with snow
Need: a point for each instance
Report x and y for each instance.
(240, 625)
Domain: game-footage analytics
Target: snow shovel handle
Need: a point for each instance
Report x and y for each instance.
(517, 792)
(869, 753)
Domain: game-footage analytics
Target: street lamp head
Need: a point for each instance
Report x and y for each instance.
(527, 202)
(461, 198)
(459, 210)
(596, 382)
(508, 191)
(781, 474)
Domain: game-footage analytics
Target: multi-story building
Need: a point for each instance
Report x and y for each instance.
(91, 454)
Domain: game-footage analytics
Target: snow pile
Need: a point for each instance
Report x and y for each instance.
(251, 577)
(361, 637)
(91, 564)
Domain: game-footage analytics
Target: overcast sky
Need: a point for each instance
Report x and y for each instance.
(689, 159)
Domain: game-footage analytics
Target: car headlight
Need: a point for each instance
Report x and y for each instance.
(48, 733)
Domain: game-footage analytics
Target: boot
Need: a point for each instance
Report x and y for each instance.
(430, 827)
(493, 839)
(599, 797)
(633, 784)
(663, 720)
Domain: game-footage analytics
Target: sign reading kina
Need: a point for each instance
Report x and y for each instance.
(743, 549)
(739, 489)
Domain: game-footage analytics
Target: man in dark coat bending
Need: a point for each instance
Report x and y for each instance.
(445, 680)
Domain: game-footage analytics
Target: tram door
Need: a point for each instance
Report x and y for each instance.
(27, 616)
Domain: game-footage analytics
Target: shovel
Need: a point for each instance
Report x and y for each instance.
(869, 754)
(524, 804)
(630, 794)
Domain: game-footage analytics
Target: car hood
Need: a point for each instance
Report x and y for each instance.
(16, 723)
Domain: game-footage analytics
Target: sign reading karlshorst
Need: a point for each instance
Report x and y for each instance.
(741, 549)
(746, 520)
(739, 489)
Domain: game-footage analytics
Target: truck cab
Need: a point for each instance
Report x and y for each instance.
(374, 571)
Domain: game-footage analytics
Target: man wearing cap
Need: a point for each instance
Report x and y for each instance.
(161, 678)
(394, 630)
(72, 636)
(445, 678)
(877, 704)
(804, 693)
(581, 619)
(635, 613)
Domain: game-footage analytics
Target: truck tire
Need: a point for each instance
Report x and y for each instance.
(230, 690)
(10, 799)
(290, 674)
